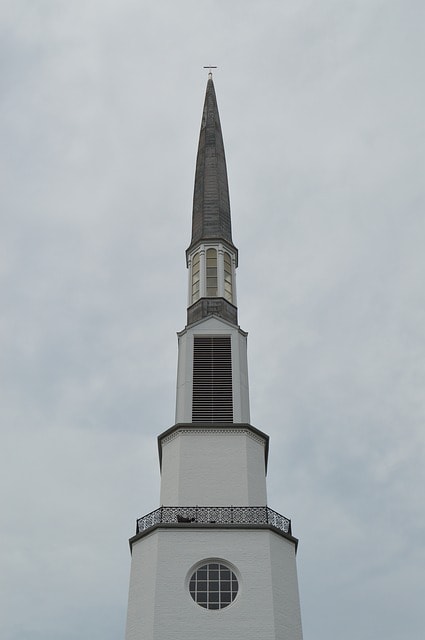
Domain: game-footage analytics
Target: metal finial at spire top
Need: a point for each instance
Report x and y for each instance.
(209, 66)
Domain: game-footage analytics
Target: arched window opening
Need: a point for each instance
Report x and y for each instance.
(196, 277)
(211, 272)
(228, 289)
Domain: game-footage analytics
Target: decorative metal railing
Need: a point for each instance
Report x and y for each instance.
(214, 515)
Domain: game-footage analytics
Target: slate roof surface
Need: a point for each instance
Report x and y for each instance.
(211, 204)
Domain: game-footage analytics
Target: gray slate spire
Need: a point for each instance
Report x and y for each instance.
(211, 205)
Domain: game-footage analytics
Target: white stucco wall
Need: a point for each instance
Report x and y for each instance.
(161, 608)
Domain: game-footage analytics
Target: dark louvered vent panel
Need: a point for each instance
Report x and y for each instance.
(212, 380)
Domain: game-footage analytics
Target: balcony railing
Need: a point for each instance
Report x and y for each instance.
(214, 515)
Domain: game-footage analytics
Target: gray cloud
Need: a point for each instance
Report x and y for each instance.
(321, 108)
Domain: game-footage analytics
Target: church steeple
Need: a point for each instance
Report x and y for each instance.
(214, 560)
(211, 257)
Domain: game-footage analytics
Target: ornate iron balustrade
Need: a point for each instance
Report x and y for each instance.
(214, 515)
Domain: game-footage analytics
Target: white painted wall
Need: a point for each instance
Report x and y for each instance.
(141, 599)
(286, 601)
(219, 467)
(161, 608)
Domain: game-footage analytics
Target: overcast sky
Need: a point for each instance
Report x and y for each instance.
(322, 110)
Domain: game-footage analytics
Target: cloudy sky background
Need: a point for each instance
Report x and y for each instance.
(322, 106)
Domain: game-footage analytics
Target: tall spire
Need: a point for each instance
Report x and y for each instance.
(211, 257)
(211, 204)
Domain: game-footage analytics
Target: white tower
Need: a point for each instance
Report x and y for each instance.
(214, 561)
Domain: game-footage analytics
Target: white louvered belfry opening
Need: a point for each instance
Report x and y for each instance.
(212, 397)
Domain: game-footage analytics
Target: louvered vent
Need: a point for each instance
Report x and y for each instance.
(212, 379)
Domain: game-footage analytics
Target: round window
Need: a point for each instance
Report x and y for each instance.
(213, 586)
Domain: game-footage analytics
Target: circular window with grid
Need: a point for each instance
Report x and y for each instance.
(213, 586)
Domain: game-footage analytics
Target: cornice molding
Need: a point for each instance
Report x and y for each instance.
(214, 429)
